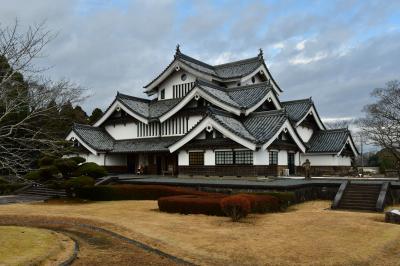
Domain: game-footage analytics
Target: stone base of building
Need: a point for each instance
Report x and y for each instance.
(232, 170)
(327, 170)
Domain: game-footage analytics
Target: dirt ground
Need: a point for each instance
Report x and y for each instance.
(308, 233)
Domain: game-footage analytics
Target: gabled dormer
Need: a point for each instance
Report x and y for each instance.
(175, 80)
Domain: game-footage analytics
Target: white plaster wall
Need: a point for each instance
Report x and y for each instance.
(209, 157)
(305, 133)
(326, 160)
(260, 157)
(115, 159)
(193, 120)
(90, 158)
(174, 79)
(183, 158)
(121, 131)
(282, 157)
(250, 82)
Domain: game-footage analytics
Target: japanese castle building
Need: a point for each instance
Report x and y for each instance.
(214, 120)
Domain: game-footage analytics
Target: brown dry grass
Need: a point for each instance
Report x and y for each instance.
(308, 233)
(33, 246)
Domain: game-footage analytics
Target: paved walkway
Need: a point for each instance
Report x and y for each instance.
(20, 199)
(242, 183)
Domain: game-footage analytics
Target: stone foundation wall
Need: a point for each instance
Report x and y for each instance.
(326, 170)
(231, 170)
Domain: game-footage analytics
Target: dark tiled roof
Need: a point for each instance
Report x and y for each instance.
(97, 138)
(264, 125)
(231, 123)
(248, 96)
(147, 108)
(137, 105)
(297, 109)
(144, 144)
(328, 141)
(236, 69)
(258, 127)
(239, 97)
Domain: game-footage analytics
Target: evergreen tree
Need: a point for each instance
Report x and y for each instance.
(95, 116)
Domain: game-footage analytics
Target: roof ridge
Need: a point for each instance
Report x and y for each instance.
(336, 130)
(238, 62)
(270, 112)
(75, 125)
(250, 86)
(299, 100)
(215, 111)
(194, 60)
(209, 84)
(121, 95)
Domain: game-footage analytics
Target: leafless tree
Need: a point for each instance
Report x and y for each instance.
(27, 101)
(338, 124)
(381, 124)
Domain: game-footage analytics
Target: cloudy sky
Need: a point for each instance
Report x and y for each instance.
(334, 51)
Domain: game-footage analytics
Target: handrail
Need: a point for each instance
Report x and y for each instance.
(381, 202)
(339, 194)
(106, 180)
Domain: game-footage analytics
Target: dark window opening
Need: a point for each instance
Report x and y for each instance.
(273, 158)
(253, 79)
(196, 158)
(183, 77)
(162, 94)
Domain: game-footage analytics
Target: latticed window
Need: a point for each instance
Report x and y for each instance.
(243, 157)
(273, 158)
(224, 157)
(196, 158)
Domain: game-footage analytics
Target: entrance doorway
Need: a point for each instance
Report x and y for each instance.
(131, 161)
(291, 163)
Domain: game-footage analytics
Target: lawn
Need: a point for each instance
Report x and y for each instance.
(308, 233)
(33, 246)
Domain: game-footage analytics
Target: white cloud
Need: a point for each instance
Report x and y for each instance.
(301, 59)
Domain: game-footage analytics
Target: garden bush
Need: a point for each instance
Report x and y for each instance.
(33, 175)
(78, 159)
(236, 207)
(90, 169)
(66, 166)
(80, 181)
(3, 181)
(263, 203)
(192, 204)
(46, 161)
(135, 192)
(47, 172)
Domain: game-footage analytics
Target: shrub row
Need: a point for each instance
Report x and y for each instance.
(236, 206)
(134, 192)
(192, 204)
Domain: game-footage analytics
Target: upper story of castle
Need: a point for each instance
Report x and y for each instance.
(177, 79)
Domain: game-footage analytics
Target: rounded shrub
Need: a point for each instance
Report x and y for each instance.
(66, 166)
(78, 159)
(236, 207)
(90, 169)
(46, 161)
(263, 203)
(79, 182)
(3, 181)
(48, 172)
(33, 175)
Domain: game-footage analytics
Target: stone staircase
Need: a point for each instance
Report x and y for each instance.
(363, 197)
(39, 192)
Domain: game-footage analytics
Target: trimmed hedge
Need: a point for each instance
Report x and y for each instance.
(262, 203)
(134, 192)
(236, 207)
(46, 161)
(90, 169)
(192, 204)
